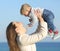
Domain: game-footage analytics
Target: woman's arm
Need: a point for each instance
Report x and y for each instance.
(36, 37)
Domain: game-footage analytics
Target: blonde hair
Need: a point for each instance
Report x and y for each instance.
(23, 7)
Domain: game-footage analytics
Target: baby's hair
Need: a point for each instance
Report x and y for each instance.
(23, 7)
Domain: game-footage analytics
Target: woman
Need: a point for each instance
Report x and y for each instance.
(18, 40)
(11, 37)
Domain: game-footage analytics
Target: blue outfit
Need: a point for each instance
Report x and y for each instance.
(48, 16)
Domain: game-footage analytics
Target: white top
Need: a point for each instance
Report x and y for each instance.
(27, 42)
(33, 16)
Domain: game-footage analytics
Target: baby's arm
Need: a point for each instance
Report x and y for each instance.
(33, 19)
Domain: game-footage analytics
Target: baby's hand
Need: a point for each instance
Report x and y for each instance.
(30, 20)
(30, 25)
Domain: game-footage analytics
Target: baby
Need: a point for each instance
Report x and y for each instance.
(47, 15)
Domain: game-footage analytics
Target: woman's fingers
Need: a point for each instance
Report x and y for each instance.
(37, 13)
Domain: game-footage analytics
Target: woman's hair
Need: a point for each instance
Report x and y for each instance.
(12, 37)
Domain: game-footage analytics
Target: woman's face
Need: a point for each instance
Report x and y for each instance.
(19, 28)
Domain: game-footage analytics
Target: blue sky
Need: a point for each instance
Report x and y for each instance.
(9, 11)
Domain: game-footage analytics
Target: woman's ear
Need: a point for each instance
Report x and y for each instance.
(17, 30)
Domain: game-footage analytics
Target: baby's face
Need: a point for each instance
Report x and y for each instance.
(26, 11)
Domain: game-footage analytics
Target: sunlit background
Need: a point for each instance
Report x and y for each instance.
(9, 11)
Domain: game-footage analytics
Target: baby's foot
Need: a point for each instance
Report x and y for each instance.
(50, 33)
(56, 35)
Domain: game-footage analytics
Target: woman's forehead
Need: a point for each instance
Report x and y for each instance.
(18, 23)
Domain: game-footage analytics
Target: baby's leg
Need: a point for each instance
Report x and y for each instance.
(49, 18)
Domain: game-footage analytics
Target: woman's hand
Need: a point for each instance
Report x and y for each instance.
(38, 14)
